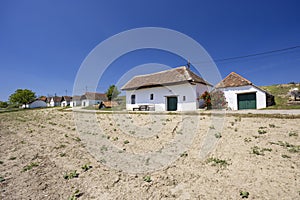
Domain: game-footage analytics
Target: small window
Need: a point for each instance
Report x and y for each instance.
(151, 96)
(183, 98)
(133, 99)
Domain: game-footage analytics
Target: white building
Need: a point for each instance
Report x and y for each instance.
(169, 90)
(92, 98)
(75, 101)
(241, 94)
(65, 101)
(55, 101)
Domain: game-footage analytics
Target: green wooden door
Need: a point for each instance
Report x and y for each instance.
(171, 103)
(247, 101)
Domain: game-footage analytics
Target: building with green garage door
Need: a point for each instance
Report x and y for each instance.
(242, 94)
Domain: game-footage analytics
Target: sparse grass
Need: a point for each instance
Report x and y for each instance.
(30, 166)
(217, 162)
(212, 127)
(126, 142)
(290, 147)
(77, 139)
(260, 151)
(70, 175)
(247, 140)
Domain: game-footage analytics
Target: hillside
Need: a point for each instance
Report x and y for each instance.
(280, 91)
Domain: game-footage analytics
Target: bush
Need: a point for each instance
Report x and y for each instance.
(218, 100)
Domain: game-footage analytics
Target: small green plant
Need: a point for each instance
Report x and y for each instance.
(232, 123)
(272, 126)
(218, 135)
(1, 162)
(261, 131)
(86, 167)
(126, 142)
(12, 158)
(30, 166)
(217, 162)
(75, 195)
(293, 133)
(285, 156)
(70, 175)
(244, 194)
(247, 140)
(212, 127)
(103, 148)
(62, 154)
(258, 151)
(147, 179)
(115, 138)
(235, 129)
(2, 179)
(184, 154)
(77, 139)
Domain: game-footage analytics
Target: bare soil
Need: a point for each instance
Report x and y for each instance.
(38, 148)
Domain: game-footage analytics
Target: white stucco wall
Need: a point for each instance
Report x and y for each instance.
(232, 92)
(160, 95)
(75, 103)
(87, 102)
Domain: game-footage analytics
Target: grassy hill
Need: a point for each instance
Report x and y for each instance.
(280, 91)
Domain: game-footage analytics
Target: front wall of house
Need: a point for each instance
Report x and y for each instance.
(87, 102)
(232, 93)
(160, 94)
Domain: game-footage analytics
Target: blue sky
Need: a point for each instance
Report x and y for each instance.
(43, 43)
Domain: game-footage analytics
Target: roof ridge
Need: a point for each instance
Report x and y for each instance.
(160, 72)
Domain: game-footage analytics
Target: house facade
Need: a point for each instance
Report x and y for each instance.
(241, 93)
(92, 98)
(176, 89)
(55, 101)
(75, 101)
(65, 101)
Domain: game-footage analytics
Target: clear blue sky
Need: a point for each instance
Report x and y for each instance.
(43, 43)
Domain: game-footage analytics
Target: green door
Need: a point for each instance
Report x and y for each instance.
(171, 103)
(246, 101)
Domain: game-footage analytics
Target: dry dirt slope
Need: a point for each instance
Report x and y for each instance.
(38, 148)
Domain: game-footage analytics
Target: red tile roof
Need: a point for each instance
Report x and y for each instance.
(233, 80)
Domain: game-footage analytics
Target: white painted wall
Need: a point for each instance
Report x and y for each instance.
(75, 103)
(52, 103)
(232, 92)
(64, 103)
(87, 102)
(38, 104)
(161, 93)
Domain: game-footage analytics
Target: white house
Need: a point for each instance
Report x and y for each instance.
(75, 101)
(241, 94)
(55, 101)
(65, 101)
(92, 98)
(169, 90)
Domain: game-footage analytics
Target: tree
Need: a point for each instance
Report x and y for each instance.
(22, 97)
(112, 92)
(218, 99)
(3, 104)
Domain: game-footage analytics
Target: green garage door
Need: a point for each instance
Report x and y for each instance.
(246, 101)
(171, 103)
